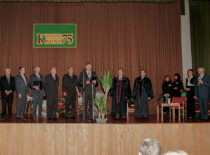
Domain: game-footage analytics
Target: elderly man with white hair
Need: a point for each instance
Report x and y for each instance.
(150, 147)
(202, 89)
(7, 85)
(51, 83)
(36, 84)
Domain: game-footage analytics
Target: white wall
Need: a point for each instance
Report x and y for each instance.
(186, 41)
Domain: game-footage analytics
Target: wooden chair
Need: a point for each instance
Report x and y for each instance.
(130, 110)
(183, 104)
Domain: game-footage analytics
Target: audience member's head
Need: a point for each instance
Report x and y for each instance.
(150, 147)
(176, 152)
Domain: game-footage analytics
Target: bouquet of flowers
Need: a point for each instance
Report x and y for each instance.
(166, 96)
(29, 103)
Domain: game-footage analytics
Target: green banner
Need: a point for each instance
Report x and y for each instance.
(55, 36)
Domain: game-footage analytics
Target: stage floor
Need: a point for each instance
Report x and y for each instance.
(117, 137)
(111, 120)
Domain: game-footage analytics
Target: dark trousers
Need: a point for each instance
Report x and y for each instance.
(20, 107)
(37, 101)
(70, 100)
(203, 103)
(51, 106)
(88, 101)
(190, 104)
(7, 100)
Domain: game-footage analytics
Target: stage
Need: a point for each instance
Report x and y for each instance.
(69, 137)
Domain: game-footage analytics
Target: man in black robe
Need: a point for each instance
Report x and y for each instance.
(142, 93)
(70, 86)
(51, 83)
(120, 93)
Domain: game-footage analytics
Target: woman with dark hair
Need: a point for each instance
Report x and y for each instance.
(190, 89)
(167, 86)
(177, 86)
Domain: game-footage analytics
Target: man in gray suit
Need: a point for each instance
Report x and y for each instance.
(21, 84)
(88, 80)
(202, 92)
(36, 84)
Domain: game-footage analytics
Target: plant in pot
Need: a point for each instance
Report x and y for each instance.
(101, 102)
(106, 82)
(102, 109)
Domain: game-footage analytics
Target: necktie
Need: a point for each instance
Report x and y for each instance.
(54, 77)
(8, 79)
(24, 79)
(89, 74)
(38, 76)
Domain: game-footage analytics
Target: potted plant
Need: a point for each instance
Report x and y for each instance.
(102, 109)
(106, 82)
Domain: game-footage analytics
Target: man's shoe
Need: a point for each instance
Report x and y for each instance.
(73, 117)
(124, 117)
(66, 118)
(24, 119)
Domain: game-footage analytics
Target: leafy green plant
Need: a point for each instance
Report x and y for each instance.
(106, 82)
(101, 106)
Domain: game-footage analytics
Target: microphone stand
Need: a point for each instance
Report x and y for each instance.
(92, 100)
(83, 95)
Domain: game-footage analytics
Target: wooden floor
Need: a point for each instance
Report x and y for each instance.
(117, 137)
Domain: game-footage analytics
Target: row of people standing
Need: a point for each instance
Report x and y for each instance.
(175, 88)
(121, 94)
(196, 88)
(39, 85)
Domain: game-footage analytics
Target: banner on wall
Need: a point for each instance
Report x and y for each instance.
(55, 36)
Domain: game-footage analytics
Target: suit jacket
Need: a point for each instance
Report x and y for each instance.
(202, 90)
(69, 84)
(88, 88)
(51, 86)
(7, 86)
(33, 80)
(20, 85)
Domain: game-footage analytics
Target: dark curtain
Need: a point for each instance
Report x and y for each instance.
(110, 35)
(200, 33)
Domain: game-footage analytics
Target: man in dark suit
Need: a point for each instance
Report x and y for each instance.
(88, 80)
(51, 83)
(202, 92)
(36, 84)
(21, 84)
(70, 87)
(7, 83)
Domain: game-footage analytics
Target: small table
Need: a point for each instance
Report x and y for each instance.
(171, 106)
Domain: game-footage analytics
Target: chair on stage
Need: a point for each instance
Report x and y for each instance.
(183, 105)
